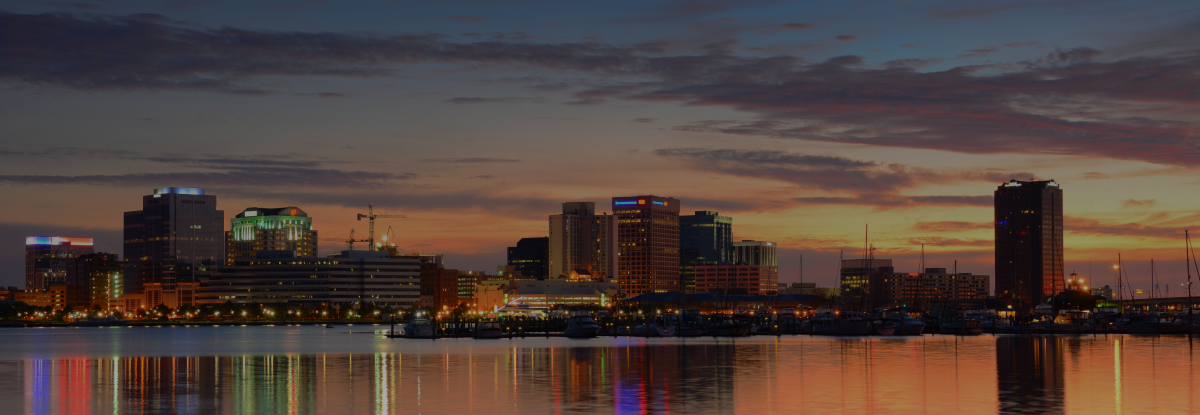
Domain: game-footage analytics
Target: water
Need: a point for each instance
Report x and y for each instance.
(314, 370)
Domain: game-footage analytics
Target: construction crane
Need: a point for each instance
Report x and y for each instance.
(349, 241)
(371, 216)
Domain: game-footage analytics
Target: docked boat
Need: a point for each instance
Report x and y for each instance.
(419, 326)
(1150, 324)
(581, 325)
(654, 330)
(883, 328)
(724, 326)
(489, 329)
(841, 324)
(787, 322)
(906, 324)
(961, 327)
(690, 324)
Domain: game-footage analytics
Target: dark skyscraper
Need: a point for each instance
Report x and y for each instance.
(705, 238)
(1029, 243)
(531, 257)
(178, 232)
(648, 240)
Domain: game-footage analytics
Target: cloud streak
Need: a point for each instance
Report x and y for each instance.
(1067, 102)
(233, 176)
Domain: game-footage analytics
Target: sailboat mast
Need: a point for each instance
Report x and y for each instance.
(1187, 246)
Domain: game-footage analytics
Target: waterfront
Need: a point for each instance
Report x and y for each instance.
(313, 370)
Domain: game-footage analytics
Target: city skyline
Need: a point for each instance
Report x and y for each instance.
(714, 106)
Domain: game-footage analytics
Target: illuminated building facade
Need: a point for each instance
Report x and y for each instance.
(862, 281)
(53, 296)
(94, 280)
(531, 257)
(737, 279)
(763, 254)
(1029, 243)
(439, 288)
(352, 277)
(525, 297)
(705, 238)
(582, 240)
(178, 236)
(935, 287)
(277, 229)
(647, 243)
(48, 257)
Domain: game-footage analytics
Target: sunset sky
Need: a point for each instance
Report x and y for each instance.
(805, 121)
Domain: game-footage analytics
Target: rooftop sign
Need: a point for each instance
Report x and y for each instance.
(58, 240)
(195, 191)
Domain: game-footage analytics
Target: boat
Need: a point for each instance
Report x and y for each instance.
(1151, 324)
(581, 325)
(906, 324)
(489, 329)
(846, 323)
(690, 324)
(330, 325)
(787, 322)
(961, 327)
(883, 328)
(98, 322)
(724, 326)
(419, 326)
(654, 330)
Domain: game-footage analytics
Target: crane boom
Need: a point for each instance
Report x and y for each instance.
(371, 216)
(349, 241)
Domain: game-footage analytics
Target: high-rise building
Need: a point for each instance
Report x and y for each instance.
(178, 235)
(94, 280)
(752, 252)
(762, 254)
(531, 257)
(47, 259)
(705, 238)
(1029, 243)
(582, 240)
(277, 229)
(648, 244)
(710, 234)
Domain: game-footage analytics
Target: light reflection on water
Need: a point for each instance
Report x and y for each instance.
(310, 370)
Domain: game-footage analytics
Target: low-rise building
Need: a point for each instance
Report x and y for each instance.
(808, 288)
(9, 293)
(54, 297)
(352, 277)
(541, 295)
(935, 287)
(439, 288)
(737, 278)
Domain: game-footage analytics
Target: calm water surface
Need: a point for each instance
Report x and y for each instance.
(314, 370)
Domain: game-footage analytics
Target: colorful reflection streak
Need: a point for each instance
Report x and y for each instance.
(1032, 374)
